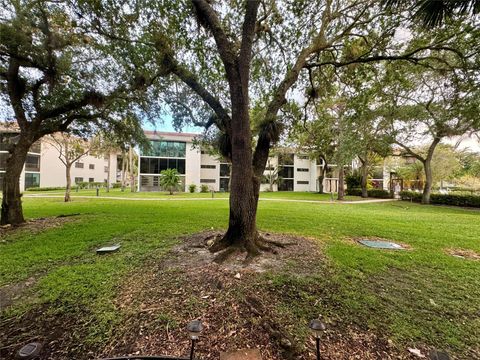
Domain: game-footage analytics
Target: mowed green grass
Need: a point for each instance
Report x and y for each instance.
(311, 196)
(420, 296)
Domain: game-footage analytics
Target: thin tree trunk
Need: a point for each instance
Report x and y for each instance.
(108, 173)
(364, 180)
(341, 185)
(12, 212)
(132, 175)
(321, 177)
(427, 165)
(124, 169)
(68, 189)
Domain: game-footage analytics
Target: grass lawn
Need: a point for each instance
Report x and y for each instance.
(289, 195)
(420, 297)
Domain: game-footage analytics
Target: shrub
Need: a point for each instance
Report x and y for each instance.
(192, 188)
(204, 188)
(45, 188)
(379, 193)
(354, 191)
(116, 185)
(353, 181)
(444, 199)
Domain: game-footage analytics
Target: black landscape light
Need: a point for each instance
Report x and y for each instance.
(30, 351)
(317, 327)
(194, 328)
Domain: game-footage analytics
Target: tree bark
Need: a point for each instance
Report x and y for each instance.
(108, 173)
(12, 212)
(341, 185)
(321, 177)
(132, 174)
(364, 180)
(68, 176)
(427, 166)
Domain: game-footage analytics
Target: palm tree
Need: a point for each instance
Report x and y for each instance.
(433, 13)
(170, 179)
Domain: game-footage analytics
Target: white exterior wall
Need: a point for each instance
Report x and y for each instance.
(303, 176)
(52, 170)
(192, 166)
(210, 174)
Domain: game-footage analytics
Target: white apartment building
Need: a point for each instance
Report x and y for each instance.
(43, 168)
(177, 151)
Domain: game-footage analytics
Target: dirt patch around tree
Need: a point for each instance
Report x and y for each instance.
(265, 304)
(35, 226)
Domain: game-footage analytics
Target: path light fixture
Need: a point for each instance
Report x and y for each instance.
(194, 328)
(317, 327)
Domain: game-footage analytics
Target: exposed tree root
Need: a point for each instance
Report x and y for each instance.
(227, 247)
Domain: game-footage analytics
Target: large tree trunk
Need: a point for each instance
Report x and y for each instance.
(244, 184)
(364, 180)
(12, 212)
(341, 185)
(68, 177)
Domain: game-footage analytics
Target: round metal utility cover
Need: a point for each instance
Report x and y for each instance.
(30, 351)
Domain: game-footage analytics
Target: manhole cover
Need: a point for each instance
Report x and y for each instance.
(381, 244)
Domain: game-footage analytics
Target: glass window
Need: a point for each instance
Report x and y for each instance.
(172, 163)
(286, 172)
(167, 149)
(79, 165)
(32, 180)
(91, 166)
(181, 166)
(144, 165)
(224, 184)
(163, 164)
(208, 166)
(302, 170)
(285, 185)
(225, 170)
(32, 163)
(78, 180)
(3, 160)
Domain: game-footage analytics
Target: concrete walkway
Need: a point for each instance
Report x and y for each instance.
(368, 201)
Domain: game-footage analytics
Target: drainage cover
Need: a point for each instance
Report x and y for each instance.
(382, 244)
(108, 249)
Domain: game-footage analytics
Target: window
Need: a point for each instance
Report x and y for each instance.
(105, 169)
(224, 184)
(78, 180)
(303, 170)
(32, 180)
(225, 170)
(208, 166)
(269, 168)
(91, 166)
(3, 160)
(286, 172)
(32, 163)
(208, 181)
(155, 165)
(285, 185)
(91, 180)
(302, 182)
(166, 149)
(303, 157)
(79, 165)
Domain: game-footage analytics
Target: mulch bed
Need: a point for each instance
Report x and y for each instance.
(464, 254)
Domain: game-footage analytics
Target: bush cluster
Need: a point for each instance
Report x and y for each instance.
(444, 199)
(192, 188)
(204, 188)
(45, 188)
(374, 193)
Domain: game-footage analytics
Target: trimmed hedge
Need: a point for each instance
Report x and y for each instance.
(45, 188)
(444, 199)
(374, 193)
